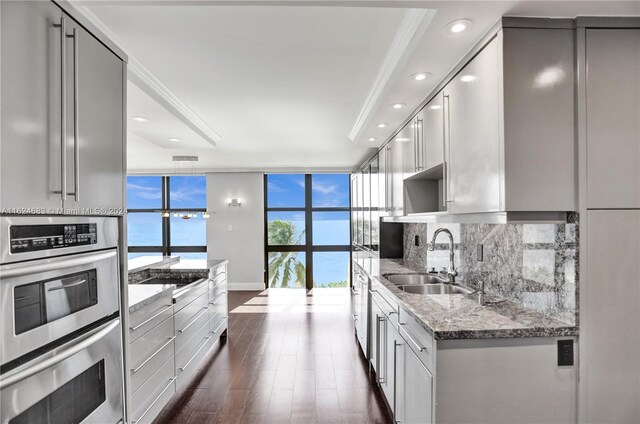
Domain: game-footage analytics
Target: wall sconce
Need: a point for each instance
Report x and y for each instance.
(234, 202)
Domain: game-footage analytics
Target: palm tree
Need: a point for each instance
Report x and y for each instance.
(285, 264)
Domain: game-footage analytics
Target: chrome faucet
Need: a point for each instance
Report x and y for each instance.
(451, 272)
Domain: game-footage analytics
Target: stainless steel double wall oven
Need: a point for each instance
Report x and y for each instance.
(61, 339)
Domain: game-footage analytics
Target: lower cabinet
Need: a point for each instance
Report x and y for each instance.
(414, 386)
(510, 380)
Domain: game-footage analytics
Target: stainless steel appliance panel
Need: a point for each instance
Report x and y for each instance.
(31, 107)
(95, 136)
(80, 381)
(57, 284)
(106, 236)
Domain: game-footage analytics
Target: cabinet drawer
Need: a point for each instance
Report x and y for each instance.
(154, 394)
(216, 329)
(417, 338)
(219, 270)
(148, 317)
(183, 299)
(189, 357)
(151, 342)
(186, 315)
(143, 370)
(185, 333)
(217, 287)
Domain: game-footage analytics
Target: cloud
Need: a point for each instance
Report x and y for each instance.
(271, 186)
(325, 188)
(187, 193)
(144, 192)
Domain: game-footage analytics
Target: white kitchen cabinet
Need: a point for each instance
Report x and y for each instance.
(54, 135)
(366, 206)
(613, 112)
(612, 333)
(510, 144)
(432, 117)
(374, 202)
(397, 176)
(384, 181)
(474, 135)
(414, 386)
(409, 139)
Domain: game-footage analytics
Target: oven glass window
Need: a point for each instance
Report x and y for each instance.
(38, 303)
(70, 403)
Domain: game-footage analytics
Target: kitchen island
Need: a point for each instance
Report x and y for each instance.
(178, 312)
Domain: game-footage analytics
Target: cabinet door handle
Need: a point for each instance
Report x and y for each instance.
(411, 339)
(206, 339)
(395, 382)
(76, 125)
(171, 380)
(63, 107)
(151, 318)
(217, 298)
(378, 370)
(446, 149)
(224, 319)
(136, 369)
(202, 312)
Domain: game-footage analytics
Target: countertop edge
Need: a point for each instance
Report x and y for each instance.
(168, 288)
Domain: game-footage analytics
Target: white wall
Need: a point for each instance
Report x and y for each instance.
(237, 233)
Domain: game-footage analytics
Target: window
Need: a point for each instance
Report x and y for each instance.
(167, 216)
(307, 230)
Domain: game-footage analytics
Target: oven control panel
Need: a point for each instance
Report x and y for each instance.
(31, 238)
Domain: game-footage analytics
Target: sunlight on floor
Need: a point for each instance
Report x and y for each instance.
(317, 300)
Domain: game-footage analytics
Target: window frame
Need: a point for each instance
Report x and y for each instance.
(308, 247)
(166, 249)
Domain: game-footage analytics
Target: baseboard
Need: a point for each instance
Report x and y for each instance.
(245, 286)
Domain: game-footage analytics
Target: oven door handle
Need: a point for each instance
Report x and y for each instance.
(28, 268)
(77, 283)
(59, 357)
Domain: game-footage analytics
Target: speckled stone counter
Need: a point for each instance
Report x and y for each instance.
(449, 317)
(141, 295)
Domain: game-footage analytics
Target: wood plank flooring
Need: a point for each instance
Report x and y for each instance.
(290, 357)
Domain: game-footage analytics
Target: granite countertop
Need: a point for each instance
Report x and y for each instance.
(141, 295)
(449, 317)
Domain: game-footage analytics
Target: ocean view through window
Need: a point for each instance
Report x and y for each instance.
(165, 216)
(308, 236)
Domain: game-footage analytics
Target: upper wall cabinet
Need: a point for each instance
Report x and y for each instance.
(510, 125)
(613, 111)
(432, 118)
(62, 114)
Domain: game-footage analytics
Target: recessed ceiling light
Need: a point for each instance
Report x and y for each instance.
(382, 125)
(467, 78)
(139, 119)
(402, 139)
(435, 107)
(174, 139)
(372, 139)
(458, 26)
(397, 105)
(421, 76)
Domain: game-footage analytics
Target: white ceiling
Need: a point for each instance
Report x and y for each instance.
(285, 86)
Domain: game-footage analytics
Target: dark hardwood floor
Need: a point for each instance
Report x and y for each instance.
(290, 357)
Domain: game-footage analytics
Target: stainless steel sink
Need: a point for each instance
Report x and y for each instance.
(413, 279)
(427, 289)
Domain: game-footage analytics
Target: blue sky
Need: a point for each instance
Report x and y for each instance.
(287, 190)
(186, 192)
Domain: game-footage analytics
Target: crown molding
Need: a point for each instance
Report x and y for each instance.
(148, 82)
(413, 25)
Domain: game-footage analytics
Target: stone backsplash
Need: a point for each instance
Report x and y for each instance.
(534, 265)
